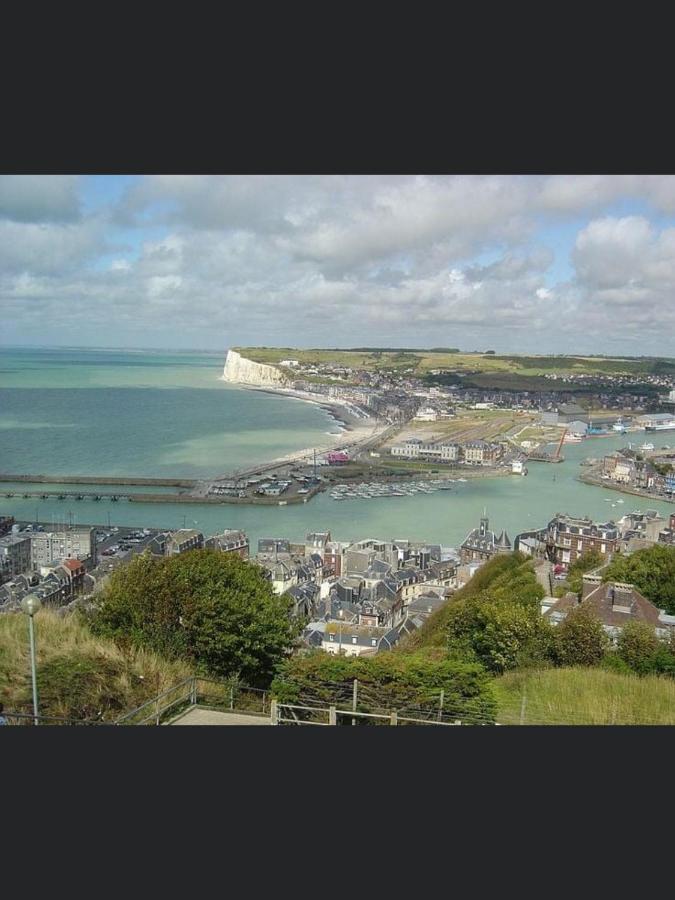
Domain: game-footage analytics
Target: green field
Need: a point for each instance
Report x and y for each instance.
(485, 370)
(582, 696)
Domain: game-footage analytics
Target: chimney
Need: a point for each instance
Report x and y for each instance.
(588, 584)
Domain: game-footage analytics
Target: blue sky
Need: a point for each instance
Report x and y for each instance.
(515, 263)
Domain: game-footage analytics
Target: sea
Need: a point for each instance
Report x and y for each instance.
(164, 414)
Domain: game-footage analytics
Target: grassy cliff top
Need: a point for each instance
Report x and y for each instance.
(423, 361)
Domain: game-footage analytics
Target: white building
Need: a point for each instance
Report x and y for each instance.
(426, 414)
(48, 546)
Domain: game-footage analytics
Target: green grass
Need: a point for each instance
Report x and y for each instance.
(581, 696)
(516, 372)
(79, 675)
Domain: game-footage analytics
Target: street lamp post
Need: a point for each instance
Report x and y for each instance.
(30, 604)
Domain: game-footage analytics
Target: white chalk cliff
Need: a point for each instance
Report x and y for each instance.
(240, 370)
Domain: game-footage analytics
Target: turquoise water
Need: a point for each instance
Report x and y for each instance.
(113, 413)
(209, 426)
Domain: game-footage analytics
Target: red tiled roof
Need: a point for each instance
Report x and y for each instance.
(72, 564)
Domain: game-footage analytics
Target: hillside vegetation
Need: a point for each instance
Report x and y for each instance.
(576, 696)
(480, 364)
(80, 676)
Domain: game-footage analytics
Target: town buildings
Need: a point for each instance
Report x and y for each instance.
(568, 537)
(229, 541)
(15, 555)
(77, 542)
(615, 604)
(474, 453)
(482, 543)
(182, 540)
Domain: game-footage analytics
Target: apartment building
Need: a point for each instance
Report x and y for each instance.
(183, 540)
(567, 538)
(70, 543)
(482, 453)
(15, 556)
(229, 541)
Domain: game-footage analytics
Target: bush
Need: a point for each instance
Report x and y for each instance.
(637, 645)
(388, 681)
(211, 608)
(580, 639)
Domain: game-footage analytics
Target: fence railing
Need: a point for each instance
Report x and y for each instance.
(287, 714)
(20, 718)
(209, 693)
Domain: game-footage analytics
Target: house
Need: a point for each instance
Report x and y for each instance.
(481, 453)
(614, 603)
(482, 544)
(229, 541)
(183, 540)
(15, 555)
(568, 537)
(357, 640)
(426, 414)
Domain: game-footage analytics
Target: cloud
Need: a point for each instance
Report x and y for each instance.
(39, 198)
(219, 260)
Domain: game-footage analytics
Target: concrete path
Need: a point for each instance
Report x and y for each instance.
(197, 716)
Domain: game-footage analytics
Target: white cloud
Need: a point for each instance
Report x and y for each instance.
(351, 260)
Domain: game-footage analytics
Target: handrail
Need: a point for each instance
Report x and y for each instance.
(31, 717)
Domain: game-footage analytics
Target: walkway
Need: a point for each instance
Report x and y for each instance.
(198, 716)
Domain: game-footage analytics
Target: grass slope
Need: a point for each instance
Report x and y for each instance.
(584, 697)
(514, 368)
(79, 675)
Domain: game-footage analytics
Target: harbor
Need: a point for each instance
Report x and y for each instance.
(375, 489)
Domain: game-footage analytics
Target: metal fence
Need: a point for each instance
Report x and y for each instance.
(20, 718)
(208, 693)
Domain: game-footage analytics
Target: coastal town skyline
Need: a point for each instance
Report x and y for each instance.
(547, 264)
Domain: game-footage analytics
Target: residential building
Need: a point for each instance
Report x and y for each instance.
(6, 523)
(182, 540)
(15, 555)
(615, 603)
(426, 414)
(229, 541)
(49, 546)
(481, 453)
(568, 537)
(357, 640)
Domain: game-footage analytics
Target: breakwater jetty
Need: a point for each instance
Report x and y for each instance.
(100, 479)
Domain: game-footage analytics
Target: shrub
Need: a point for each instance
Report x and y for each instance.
(388, 681)
(211, 608)
(580, 639)
(637, 645)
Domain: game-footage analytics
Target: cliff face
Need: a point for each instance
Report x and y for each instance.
(240, 370)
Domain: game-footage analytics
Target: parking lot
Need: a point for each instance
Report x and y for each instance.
(117, 545)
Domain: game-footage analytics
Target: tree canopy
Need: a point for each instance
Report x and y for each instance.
(652, 571)
(211, 608)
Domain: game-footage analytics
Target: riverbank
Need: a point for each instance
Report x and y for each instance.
(589, 478)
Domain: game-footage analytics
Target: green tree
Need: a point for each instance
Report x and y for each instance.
(584, 563)
(580, 639)
(652, 571)
(637, 645)
(211, 608)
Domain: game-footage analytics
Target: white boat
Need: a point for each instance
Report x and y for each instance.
(647, 446)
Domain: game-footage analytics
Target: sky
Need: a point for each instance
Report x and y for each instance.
(517, 264)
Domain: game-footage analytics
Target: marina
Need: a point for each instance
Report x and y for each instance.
(371, 490)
